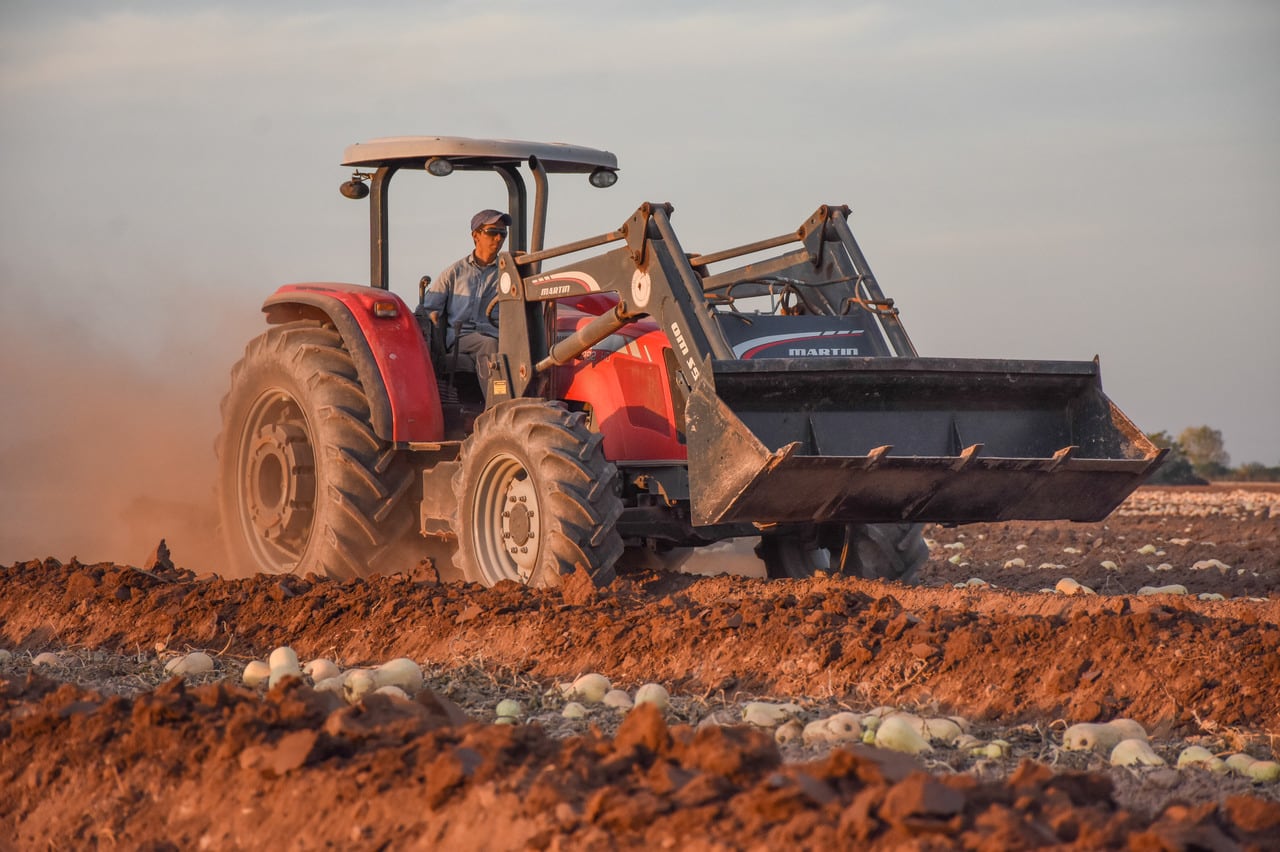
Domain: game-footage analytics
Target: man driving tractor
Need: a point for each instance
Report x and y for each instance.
(463, 291)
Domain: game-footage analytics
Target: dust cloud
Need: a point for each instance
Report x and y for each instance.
(107, 435)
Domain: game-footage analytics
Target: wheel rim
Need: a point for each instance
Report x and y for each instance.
(275, 475)
(506, 514)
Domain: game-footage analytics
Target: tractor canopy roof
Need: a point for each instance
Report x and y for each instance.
(464, 153)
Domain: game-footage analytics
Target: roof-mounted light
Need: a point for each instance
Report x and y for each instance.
(439, 166)
(603, 177)
(356, 187)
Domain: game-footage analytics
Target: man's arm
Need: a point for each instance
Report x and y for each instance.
(437, 296)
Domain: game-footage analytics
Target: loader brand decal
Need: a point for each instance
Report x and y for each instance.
(556, 284)
(822, 352)
(823, 344)
(678, 336)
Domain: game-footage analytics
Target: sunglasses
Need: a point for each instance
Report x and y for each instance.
(494, 232)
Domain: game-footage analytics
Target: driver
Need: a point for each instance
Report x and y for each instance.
(465, 289)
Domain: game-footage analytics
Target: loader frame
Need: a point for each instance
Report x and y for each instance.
(977, 439)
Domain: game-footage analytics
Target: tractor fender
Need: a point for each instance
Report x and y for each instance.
(390, 355)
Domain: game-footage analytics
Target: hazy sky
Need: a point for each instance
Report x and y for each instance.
(1039, 180)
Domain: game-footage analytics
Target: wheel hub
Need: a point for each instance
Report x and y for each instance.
(280, 482)
(505, 517)
(519, 524)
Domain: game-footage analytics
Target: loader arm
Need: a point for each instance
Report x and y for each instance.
(653, 276)
(814, 438)
(650, 276)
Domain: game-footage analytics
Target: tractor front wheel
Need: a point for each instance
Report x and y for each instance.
(536, 498)
(870, 551)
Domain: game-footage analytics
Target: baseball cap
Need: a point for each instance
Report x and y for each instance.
(489, 217)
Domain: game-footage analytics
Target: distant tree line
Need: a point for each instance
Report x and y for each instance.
(1199, 455)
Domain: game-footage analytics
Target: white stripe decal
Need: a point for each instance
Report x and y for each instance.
(757, 342)
(576, 277)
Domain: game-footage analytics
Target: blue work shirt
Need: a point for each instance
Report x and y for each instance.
(473, 286)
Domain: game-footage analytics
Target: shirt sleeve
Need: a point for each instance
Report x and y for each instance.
(437, 295)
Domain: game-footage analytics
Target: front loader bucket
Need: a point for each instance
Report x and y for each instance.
(908, 439)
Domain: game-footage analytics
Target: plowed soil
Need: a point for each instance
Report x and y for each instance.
(98, 748)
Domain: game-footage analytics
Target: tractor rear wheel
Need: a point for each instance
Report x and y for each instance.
(536, 498)
(304, 483)
(870, 551)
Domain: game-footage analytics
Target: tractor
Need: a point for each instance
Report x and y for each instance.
(643, 400)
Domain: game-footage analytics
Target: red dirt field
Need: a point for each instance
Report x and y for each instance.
(99, 749)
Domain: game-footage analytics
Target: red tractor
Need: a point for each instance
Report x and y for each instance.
(642, 399)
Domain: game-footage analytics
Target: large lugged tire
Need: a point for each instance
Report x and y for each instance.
(871, 551)
(304, 483)
(536, 498)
